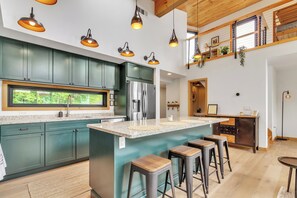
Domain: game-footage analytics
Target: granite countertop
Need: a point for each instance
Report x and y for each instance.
(5, 120)
(143, 128)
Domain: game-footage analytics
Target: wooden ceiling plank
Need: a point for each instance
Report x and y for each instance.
(163, 7)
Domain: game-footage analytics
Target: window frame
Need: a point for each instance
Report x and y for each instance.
(189, 56)
(234, 39)
(22, 107)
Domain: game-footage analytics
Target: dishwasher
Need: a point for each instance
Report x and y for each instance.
(113, 120)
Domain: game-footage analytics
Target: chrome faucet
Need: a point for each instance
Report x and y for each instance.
(68, 104)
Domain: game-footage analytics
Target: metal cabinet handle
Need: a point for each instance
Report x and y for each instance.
(29, 79)
(25, 79)
(23, 129)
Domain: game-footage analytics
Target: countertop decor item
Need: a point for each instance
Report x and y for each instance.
(125, 51)
(173, 40)
(88, 40)
(285, 95)
(212, 109)
(47, 2)
(153, 61)
(224, 50)
(242, 55)
(215, 41)
(136, 22)
(30, 23)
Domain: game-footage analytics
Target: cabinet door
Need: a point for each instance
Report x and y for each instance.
(23, 152)
(60, 147)
(82, 143)
(62, 67)
(215, 129)
(96, 73)
(40, 67)
(246, 130)
(133, 71)
(109, 76)
(147, 74)
(13, 59)
(79, 70)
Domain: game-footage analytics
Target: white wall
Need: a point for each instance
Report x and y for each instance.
(172, 95)
(286, 80)
(272, 101)
(226, 77)
(67, 21)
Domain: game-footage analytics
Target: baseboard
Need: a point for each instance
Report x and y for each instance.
(263, 149)
(289, 138)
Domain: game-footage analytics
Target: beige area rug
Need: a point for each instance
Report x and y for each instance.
(282, 193)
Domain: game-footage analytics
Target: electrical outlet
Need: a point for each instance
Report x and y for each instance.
(122, 142)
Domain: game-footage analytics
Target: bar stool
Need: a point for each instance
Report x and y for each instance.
(151, 166)
(188, 155)
(208, 151)
(221, 142)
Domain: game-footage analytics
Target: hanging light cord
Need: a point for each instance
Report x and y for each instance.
(173, 14)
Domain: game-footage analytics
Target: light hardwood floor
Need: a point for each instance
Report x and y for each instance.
(254, 176)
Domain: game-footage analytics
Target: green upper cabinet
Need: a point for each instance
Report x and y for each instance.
(139, 72)
(103, 75)
(80, 67)
(147, 74)
(40, 66)
(62, 67)
(70, 69)
(13, 59)
(22, 61)
(96, 69)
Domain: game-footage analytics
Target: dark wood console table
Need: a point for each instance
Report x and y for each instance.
(239, 130)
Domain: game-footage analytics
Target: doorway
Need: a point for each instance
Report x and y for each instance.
(197, 97)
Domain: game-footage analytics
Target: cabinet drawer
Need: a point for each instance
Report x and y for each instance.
(64, 125)
(18, 129)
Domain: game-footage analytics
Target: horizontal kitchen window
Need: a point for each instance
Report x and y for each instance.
(21, 96)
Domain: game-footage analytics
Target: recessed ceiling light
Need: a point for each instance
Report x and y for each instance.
(169, 74)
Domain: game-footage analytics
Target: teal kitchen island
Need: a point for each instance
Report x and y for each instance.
(114, 145)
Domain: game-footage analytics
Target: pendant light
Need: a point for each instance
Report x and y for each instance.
(125, 51)
(136, 22)
(88, 40)
(153, 61)
(31, 23)
(47, 2)
(197, 54)
(173, 40)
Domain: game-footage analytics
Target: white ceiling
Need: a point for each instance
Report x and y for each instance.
(284, 62)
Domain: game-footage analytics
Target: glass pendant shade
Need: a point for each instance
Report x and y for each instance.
(88, 40)
(153, 61)
(30, 23)
(126, 52)
(47, 2)
(173, 40)
(136, 22)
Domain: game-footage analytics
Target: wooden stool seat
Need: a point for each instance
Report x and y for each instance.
(202, 143)
(151, 163)
(216, 138)
(185, 150)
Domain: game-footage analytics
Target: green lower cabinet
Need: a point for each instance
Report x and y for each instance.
(60, 147)
(82, 143)
(23, 152)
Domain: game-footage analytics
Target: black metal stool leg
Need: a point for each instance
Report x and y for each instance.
(166, 180)
(181, 171)
(130, 181)
(205, 160)
(228, 157)
(221, 157)
(216, 165)
(172, 183)
(289, 180)
(202, 175)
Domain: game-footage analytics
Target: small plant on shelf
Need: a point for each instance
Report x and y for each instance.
(241, 54)
(224, 50)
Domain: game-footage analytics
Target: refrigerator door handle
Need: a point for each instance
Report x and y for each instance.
(143, 104)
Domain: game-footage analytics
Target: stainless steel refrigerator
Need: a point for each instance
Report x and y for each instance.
(141, 103)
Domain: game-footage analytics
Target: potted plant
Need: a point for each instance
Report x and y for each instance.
(242, 55)
(224, 50)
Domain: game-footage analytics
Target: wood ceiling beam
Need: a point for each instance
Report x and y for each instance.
(162, 7)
